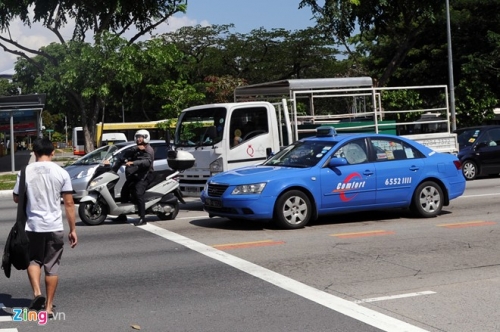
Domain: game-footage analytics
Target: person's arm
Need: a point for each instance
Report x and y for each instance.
(69, 206)
(15, 192)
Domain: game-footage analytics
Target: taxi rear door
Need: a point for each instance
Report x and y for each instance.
(399, 169)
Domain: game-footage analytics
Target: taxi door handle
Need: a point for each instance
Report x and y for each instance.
(414, 168)
(368, 172)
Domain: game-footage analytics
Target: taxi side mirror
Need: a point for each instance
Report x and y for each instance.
(335, 162)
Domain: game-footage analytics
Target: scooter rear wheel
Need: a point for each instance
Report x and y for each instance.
(92, 214)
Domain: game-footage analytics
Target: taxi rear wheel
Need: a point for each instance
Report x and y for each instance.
(292, 210)
(428, 200)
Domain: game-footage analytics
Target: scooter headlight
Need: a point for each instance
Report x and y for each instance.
(93, 185)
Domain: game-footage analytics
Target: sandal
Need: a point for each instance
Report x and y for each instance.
(37, 303)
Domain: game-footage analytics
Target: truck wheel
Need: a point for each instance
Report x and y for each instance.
(427, 200)
(172, 215)
(92, 214)
(292, 210)
(469, 169)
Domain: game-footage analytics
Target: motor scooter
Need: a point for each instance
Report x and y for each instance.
(162, 196)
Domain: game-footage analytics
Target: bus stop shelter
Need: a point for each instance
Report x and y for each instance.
(20, 115)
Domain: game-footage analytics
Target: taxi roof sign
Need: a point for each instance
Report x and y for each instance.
(326, 131)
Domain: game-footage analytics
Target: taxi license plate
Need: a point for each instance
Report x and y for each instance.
(213, 203)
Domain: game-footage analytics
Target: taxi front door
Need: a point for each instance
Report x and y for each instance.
(353, 185)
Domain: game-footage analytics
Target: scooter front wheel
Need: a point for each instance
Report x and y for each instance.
(92, 214)
(171, 215)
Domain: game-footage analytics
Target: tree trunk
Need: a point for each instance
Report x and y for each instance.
(89, 118)
(398, 57)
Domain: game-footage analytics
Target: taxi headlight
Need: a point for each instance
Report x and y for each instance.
(247, 189)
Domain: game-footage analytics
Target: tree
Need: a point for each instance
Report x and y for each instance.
(225, 60)
(116, 16)
(401, 23)
(165, 88)
(8, 88)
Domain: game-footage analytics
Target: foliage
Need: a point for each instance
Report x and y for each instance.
(399, 24)
(405, 43)
(115, 16)
(84, 73)
(7, 181)
(165, 71)
(399, 100)
(229, 59)
(397, 43)
(7, 88)
(220, 89)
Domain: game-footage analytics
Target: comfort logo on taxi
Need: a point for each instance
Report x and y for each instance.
(349, 184)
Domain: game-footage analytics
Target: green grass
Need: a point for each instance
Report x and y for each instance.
(7, 181)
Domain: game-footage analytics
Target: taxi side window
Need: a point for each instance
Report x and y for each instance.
(386, 149)
(354, 152)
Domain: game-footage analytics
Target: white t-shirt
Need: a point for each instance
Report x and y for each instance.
(45, 182)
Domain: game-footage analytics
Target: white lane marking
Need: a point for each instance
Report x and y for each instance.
(193, 217)
(480, 195)
(348, 308)
(392, 297)
(9, 330)
(5, 319)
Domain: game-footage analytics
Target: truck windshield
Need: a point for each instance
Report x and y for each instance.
(200, 127)
(301, 154)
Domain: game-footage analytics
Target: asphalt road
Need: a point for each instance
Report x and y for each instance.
(360, 272)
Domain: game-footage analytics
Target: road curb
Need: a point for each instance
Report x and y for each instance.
(5, 193)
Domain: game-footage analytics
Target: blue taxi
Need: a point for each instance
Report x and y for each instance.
(331, 173)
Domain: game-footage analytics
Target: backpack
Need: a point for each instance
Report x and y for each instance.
(16, 251)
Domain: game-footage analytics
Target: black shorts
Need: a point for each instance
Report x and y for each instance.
(46, 250)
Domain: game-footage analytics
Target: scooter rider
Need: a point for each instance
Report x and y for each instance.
(139, 171)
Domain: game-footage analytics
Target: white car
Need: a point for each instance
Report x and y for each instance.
(82, 170)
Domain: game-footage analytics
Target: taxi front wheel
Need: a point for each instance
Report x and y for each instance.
(427, 200)
(292, 210)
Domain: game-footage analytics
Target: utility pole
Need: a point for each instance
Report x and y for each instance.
(450, 69)
(66, 128)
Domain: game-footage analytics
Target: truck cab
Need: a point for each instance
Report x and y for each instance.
(222, 137)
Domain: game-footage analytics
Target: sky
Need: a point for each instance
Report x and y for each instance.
(245, 15)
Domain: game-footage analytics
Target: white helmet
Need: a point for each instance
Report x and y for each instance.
(144, 133)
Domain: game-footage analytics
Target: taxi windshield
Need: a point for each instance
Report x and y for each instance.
(301, 154)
